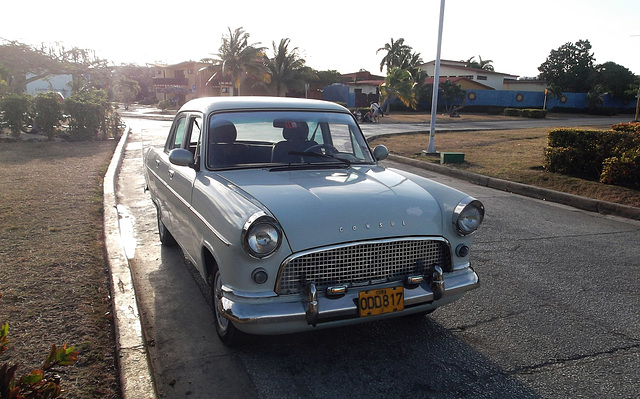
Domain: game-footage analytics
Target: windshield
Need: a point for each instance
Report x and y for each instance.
(256, 138)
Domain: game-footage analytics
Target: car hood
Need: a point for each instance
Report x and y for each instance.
(323, 207)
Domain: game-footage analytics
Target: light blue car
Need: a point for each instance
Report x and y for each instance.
(284, 210)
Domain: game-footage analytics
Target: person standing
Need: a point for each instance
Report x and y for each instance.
(375, 110)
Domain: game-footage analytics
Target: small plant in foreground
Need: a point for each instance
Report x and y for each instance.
(38, 384)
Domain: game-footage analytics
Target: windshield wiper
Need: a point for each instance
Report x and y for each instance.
(320, 155)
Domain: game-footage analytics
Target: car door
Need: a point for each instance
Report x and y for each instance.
(163, 171)
(181, 180)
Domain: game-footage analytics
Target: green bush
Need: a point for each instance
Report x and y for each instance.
(610, 156)
(15, 108)
(90, 114)
(627, 127)
(48, 109)
(623, 170)
(526, 112)
(512, 112)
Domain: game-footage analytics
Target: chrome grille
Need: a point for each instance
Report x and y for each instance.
(362, 264)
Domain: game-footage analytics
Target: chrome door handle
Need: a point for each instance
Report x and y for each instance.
(157, 163)
(171, 173)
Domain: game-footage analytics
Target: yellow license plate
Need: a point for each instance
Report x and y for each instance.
(380, 301)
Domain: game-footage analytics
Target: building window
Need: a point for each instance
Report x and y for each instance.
(480, 77)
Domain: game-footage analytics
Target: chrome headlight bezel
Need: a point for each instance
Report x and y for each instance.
(261, 235)
(468, 216)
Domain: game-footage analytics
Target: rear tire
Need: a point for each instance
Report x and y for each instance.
(165, 236)
(227, 332)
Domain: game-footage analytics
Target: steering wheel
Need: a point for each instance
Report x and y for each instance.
(328, 149)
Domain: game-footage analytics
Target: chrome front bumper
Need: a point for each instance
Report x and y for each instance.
(287, 314)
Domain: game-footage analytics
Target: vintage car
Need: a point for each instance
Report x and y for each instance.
(285, 212)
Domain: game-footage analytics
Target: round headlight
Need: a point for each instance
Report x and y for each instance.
(261, 235)
(468, 216)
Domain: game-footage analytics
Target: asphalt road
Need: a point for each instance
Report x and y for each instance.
(556, 316)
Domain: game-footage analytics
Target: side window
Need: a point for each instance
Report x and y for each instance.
(177, 135)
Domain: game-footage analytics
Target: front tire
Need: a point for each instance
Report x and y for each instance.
(227, 332)
(165, 236)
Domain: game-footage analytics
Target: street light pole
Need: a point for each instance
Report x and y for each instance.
(436, 79)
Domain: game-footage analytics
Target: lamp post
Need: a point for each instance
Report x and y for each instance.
(436, 78)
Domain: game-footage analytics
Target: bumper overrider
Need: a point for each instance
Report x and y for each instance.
(318, 308)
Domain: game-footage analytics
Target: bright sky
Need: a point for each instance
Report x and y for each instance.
(334, 34)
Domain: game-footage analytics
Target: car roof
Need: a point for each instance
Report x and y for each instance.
(214, 104)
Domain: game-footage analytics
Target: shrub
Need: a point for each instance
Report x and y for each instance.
(610, 156)
(48, 108)
(15, 108)
(512, 112)
(164, 105)
(89, 113)
(526, 113)
(623, 170)
(627, 127)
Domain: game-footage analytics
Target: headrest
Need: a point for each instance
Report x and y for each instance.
(223, 132)
(295, 131)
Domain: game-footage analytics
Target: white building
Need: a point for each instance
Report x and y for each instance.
(458, 69)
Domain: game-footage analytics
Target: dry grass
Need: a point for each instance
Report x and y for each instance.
(53, 275)
(515, 155)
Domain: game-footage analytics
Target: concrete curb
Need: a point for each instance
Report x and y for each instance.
(576, 201)
(133, 364)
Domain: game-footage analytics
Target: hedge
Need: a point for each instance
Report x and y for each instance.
(612, 156)
(527, 112)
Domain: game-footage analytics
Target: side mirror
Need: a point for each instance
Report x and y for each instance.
(181, 157)
(380, 152)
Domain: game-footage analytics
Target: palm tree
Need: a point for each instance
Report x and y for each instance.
(284, 68)
(552, 91)
(396, 52)
(420, 88)
(237, 58)
(481, 64)
(399, 84)
(128, 89)
(451, 93)
(595, 96)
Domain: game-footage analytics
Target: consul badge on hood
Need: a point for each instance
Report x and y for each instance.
(341, 206)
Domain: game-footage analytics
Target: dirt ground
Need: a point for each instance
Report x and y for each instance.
(53, 275)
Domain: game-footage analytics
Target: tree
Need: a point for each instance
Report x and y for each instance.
(421, 90)
(48, 109)
(285, 68)
(595, 96)
(237, 58)
(480, 64)
(14, 112)
(618, 80)
(399, 84)
(397, 52)
(23, 64)
(452, 92)
(552, 91)
(325, 78)
(569, 67)
(128, 90)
